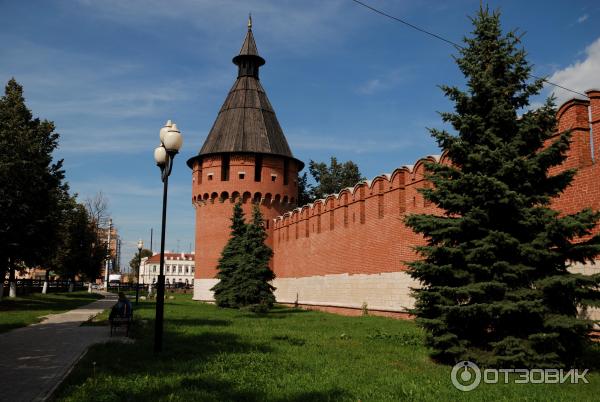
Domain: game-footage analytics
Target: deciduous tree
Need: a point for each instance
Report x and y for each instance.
(30, 183)
(134, 264)
(329, 179)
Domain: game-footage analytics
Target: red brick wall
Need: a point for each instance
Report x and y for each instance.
(361, 230)
(584, 191)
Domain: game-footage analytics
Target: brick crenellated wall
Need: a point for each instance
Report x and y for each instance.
(352, 247)
(357, 231)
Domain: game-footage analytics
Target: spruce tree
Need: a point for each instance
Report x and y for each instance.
(495, 288)
(232, 258)
(252, 280)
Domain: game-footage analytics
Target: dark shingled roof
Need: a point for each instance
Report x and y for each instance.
(249, 45)
(247, 121)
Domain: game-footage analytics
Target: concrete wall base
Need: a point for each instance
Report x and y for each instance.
(389, 292)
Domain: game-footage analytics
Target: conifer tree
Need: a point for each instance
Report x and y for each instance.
(495, 288)
(31, 184)
(252, 280)
(232, 258)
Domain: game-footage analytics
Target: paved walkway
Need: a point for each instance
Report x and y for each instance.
(35, 359)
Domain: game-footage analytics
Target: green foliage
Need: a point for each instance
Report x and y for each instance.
(134, 264)
(31, 186)
(252, 279)
(495, 286)
(304, 196)
(80, 250)
(232, 258)
(41, 223)
(244, 272)
(329, 179)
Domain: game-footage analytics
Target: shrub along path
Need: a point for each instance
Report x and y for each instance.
(34, 359)
(211, 354)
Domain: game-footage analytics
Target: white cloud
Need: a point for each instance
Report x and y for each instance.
(278, 23)
(371, 86)
(372, 144)
(579, 76)
(384, 81)
(118, 187)
(583, 18)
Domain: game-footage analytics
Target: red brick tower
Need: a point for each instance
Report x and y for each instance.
(244, 156)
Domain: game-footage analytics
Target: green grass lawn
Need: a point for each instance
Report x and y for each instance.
(212, 354)
(24, 310)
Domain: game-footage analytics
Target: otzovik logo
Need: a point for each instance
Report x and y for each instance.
(466, 376)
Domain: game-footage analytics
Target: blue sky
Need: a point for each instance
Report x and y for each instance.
(343, 81)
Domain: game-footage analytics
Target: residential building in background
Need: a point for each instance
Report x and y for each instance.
(179, 269)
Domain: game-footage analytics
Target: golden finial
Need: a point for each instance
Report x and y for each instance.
(249, 21)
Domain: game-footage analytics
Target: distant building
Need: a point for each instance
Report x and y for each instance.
(179, 268)
(115, 250)
(33, 273)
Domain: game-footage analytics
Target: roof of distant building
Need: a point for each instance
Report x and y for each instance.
(170, 257)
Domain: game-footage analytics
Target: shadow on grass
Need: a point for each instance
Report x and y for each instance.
(276, 313)
(174, 370)
(287, 310)
(222, 391)
(34, 302)
(209, 322)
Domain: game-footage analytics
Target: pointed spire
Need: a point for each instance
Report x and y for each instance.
(249, 46)
(248, 60)
(247, 122)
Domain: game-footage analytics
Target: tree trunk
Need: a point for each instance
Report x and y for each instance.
(3, 266)
(12, 292)
(90, 287)
(46, 279)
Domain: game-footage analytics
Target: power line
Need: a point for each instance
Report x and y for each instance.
(456, 45)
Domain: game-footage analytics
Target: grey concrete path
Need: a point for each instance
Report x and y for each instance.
(35, 359)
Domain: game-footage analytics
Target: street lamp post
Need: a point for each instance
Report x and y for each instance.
(170, 143)
(108, 256)
(137, 285)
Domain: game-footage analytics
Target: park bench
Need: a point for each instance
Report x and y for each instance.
(118, 321)
(121, 315)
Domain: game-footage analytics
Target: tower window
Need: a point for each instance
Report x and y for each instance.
(225, 168)
(258, 168)
(286, 168)
(242, 175)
